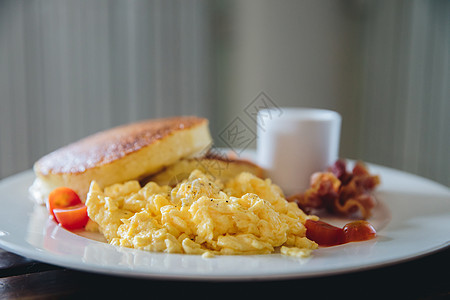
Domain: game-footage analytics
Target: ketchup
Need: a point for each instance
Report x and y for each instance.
(326, 234)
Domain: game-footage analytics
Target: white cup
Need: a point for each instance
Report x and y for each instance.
(293, 143)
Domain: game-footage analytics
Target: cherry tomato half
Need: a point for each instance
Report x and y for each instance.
(359, 231)
(323, 233)
(74, 217)
(62, 197)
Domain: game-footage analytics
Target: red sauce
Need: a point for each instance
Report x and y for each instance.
(326, 234)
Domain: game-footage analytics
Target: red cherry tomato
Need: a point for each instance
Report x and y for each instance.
(62, 197)
(74, 217)
(323, 233)
(359, 231)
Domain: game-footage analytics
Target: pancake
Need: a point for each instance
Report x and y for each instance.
(218, 167)
(123, 153)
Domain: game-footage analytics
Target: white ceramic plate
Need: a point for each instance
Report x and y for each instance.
(413, 219)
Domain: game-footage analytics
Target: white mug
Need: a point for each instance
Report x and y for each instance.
(293, 143)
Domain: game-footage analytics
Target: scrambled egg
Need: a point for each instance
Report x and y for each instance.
(245, 215)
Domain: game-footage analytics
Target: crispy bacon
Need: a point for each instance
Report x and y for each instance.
(339, 191)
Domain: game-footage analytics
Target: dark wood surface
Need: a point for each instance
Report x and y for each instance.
(423, 278)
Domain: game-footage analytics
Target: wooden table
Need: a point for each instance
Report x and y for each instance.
(424, 278)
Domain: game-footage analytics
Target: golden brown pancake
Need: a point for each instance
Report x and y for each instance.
(120, 154)
(218, 167)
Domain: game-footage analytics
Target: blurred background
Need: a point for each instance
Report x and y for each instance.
(69, 68)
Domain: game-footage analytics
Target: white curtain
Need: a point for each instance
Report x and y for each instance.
(405, 120)
(71, 68)
(383, 64)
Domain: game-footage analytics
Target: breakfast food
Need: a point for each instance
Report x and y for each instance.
(220, 167)
(66, 208)
(150, 186)
(326, 234)
(120, 154)
(201, 215)
(339, 191)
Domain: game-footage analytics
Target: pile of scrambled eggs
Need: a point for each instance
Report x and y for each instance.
(201, 215)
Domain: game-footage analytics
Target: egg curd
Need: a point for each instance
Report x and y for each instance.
(201, 215)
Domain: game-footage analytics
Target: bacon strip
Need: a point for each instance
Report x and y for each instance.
(339, 191)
